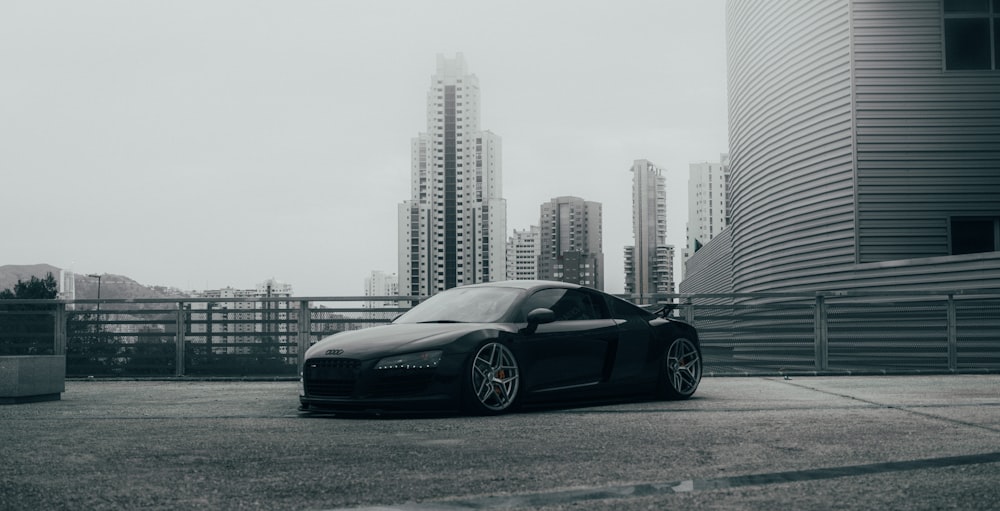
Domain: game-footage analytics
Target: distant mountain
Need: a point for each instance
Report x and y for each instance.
(112, 286)
(11, 273)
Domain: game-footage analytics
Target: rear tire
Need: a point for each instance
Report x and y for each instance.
(492, 380)
(680, 371)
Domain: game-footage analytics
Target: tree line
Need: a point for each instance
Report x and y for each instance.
(29, 329)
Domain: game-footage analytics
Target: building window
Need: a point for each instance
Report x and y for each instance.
(974, 235)
(971, 38)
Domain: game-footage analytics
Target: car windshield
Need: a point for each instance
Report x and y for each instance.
(463, 305)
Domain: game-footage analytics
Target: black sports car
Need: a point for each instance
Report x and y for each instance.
(485, 348)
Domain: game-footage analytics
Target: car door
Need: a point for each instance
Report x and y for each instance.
(632, 355)
(572, 351)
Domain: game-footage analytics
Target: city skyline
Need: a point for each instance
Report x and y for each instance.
(201, 146)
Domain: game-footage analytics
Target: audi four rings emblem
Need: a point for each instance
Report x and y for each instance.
(334, 352)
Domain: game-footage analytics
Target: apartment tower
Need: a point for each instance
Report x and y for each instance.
(571, 242)
(708, 203)
(453, 229)
(380, 283)
(649, 263)
(523, 249)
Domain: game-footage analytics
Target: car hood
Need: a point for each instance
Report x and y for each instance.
(392, 339)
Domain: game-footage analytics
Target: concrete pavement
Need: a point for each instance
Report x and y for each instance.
(893, 442)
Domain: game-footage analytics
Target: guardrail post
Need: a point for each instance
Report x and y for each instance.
(305, 331)
(179, 341)
(952, 334)
(59, 341)
(821, 330)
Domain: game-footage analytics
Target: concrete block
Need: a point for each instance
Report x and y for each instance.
(31, 378)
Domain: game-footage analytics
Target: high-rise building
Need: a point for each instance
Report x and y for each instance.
(571, 242)
(452, 230)
(380, 283)
(523, 249)
(649, 263)
(708, 202)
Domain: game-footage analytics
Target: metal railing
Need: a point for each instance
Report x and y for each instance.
(847, 332)
(741, 334)
(187, 337)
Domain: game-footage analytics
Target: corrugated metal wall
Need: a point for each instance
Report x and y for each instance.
(851, 149)
(791, 142)
(928, 140)
(710, 270)
(972, 271)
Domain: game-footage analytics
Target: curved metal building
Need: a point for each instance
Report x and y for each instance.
(865, 147)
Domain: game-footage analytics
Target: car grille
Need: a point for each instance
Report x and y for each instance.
(331, 377)
(391, 383)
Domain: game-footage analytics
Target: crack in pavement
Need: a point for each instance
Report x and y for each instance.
(563, 497)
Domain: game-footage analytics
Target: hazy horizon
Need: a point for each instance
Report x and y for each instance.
(201, 145)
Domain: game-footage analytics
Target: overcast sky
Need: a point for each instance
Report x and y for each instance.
(204, 144)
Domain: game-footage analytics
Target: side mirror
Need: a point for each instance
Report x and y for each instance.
(539, 317)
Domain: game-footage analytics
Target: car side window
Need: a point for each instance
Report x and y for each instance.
(620, 309)
(567, 304)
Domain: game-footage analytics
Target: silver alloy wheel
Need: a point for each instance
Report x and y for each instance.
(495, 377)
(683, 366)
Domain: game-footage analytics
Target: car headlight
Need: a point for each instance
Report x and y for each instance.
(422, 360)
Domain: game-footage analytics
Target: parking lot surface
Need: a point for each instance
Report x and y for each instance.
(893, 442)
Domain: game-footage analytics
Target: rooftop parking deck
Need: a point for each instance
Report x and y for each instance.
(895, 442)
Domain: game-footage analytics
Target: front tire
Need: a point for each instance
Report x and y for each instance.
(680, 372)
(493, 380)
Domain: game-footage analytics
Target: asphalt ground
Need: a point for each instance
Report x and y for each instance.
(758, 443)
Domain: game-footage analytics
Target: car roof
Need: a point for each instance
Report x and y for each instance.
(527, 284)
